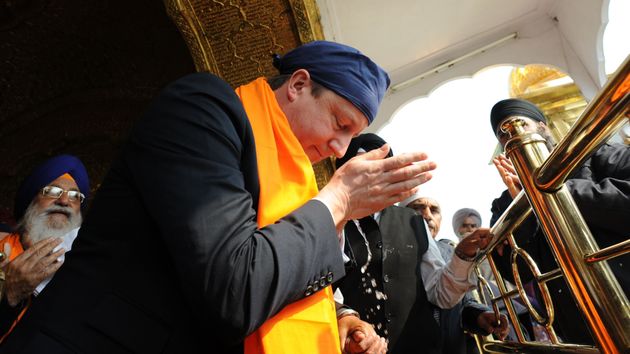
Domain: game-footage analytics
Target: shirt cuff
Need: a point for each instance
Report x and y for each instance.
(462, 270)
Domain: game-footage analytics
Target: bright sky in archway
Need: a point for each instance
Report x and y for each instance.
(462, 148)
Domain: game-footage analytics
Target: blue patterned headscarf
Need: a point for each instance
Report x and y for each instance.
(45, 173)
(341, 69)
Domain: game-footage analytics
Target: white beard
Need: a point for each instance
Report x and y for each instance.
(37, 225)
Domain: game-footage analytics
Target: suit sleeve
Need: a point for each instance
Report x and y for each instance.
(602, 190)
(528, 235)
(189, 160)
(471, 309)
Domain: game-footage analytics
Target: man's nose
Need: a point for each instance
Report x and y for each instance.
(63, 199)
(339, 146)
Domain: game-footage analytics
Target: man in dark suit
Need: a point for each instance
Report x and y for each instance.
(203, 229)
(396, 274)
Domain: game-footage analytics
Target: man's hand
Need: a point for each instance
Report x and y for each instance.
(368, 183)
(469, 246)
(508, 174)
(30, 268)
(488, 322)
(357, 336)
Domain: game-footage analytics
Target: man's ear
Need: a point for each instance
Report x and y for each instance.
(298, 84)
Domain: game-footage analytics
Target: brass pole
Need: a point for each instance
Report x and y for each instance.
(513, 216)
(600, 120)
(507, 301)
(609, 252)
(594, 287)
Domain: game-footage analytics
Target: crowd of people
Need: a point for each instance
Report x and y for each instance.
(209, 233)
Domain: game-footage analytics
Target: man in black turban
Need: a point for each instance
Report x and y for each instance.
(601, 190)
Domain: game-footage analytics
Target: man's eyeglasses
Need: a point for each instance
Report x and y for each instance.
(56, 193)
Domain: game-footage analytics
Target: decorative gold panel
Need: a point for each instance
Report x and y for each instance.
(236, 39)
(553, 92)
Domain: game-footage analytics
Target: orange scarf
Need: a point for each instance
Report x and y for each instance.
(287, 181)
(16, 246)
(13, 240)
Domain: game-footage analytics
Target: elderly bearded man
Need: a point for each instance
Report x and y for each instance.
(48, 210)
(209, 234)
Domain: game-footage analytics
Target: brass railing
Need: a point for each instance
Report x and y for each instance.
(542, 174)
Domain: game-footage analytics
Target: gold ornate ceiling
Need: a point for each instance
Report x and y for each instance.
(553, 92)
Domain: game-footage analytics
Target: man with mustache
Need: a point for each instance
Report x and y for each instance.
(430, 210)
(48, 210)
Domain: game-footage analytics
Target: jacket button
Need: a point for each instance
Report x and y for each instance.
(386, 278)
(322, 282)
(315, 286)
(309, 291)
(329, 277)
(379, 244)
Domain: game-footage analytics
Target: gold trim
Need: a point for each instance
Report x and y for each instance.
(183, 15)
(307, 20)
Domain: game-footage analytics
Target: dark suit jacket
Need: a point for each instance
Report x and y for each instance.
(169, 259)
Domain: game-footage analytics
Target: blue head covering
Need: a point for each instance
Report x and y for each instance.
(45, 173)
(341, 69)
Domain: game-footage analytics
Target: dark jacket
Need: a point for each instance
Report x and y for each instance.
(601, 190)
(170, 259)
(406, 316)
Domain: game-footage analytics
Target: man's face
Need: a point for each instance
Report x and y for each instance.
(324, 125)
(50, 217)
(468, 225)
(530, 126)
(60, 210)
(430, 211)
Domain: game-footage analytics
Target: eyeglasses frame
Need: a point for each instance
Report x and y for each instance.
(81, 195)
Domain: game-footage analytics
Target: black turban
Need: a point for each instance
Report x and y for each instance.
(367, 142)
(514, 107)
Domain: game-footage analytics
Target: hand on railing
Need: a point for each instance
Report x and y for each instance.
(508, 174)
(468, 248)
(491, 325)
